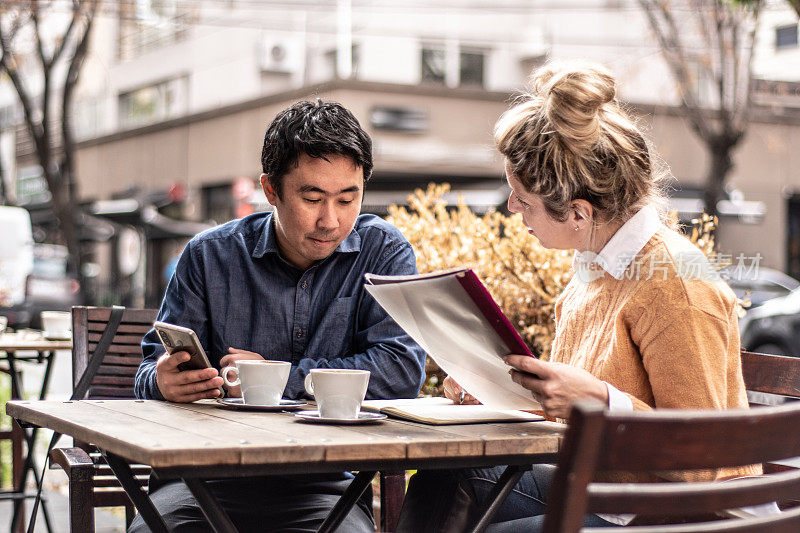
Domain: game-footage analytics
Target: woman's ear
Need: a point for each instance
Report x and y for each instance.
(581, 213)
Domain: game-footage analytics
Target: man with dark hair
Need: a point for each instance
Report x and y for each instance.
(287, 285)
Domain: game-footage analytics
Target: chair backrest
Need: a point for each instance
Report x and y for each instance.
(115, 376)
(773, 374)
(600, 441)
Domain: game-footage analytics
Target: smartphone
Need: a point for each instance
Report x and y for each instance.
(180, 339)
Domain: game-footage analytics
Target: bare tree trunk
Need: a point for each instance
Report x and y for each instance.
(719, 166)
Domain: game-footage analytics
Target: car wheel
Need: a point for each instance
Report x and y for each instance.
(771, 349)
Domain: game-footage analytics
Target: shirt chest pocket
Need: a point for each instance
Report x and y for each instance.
(334, 336)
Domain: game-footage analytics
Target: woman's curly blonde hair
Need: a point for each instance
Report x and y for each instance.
(568, 138)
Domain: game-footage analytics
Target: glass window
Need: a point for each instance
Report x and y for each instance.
(471, 68)
(786, 36)
(152, 103)
(433, 65)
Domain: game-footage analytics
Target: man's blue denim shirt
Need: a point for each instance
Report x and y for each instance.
(233, 288)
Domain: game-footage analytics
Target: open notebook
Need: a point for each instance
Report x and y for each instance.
(452, 316)
(441, 411)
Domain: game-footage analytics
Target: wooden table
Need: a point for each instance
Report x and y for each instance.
(200, 440)
(35, 349)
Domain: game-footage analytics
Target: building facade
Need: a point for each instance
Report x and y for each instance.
(177, 95)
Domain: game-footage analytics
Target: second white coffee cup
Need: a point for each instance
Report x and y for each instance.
(338, 392)
(262, 382)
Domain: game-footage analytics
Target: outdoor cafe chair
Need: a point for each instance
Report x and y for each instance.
(597, 440)
(91, 481)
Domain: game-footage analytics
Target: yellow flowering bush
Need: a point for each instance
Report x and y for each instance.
(523, 277)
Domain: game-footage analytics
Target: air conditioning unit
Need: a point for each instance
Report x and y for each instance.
(281, 54)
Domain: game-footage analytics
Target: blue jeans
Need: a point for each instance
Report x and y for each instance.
(523, 510)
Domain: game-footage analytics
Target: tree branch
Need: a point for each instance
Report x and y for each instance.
(76, 10)
(47, 64)
(673, 50)
(75, 64)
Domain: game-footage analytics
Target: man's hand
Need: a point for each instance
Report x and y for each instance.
(555, 385)
(235, 354)
(454, 391)
(188, 385)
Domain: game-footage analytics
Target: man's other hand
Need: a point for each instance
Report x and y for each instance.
(188, 385)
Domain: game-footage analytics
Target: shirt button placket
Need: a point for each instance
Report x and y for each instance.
(302, 308)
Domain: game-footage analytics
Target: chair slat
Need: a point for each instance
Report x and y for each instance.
(133, 339)
(773, 374)
(131, 316)
(114, 370)
(120, 349)
(138, 329)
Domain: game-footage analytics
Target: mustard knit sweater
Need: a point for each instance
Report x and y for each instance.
(665, 334)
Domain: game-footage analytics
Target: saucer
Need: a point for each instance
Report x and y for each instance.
(363, 418)
(237, 404)
(57, 336)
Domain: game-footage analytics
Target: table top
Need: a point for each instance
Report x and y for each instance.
(32, 341)
(177, 437)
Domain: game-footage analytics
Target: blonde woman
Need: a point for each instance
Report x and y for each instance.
(644, 323)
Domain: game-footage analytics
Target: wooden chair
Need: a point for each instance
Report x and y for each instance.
(599, 441)
(91, 481)
(771, 374)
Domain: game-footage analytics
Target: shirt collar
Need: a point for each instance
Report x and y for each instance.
(623, 246)
(268, 242)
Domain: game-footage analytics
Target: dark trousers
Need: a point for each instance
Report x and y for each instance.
(274, 503)
(441, 501)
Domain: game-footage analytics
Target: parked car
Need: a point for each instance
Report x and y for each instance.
(760, 285)
(33, 277)
(774, 326)
(49, 287)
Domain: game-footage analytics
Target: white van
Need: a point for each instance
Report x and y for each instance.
(16, 255)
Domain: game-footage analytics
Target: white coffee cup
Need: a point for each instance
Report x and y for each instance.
(262, 382)
(338, 392)
(57, 324)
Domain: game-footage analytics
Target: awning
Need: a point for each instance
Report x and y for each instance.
(131, 212)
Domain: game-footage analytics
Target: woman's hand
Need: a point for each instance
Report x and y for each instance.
(454, 391)
(235, 354)
(555, 385)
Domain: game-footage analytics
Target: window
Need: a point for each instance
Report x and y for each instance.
(433, 65)
(436, 69)
(398, 119)
(786, 36)
(331, 60)
(153, 103)
(471, 69)
(147, 25)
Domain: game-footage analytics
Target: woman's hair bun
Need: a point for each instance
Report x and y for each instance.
(573, 96)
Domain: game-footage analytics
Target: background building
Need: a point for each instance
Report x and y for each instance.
(176, 95)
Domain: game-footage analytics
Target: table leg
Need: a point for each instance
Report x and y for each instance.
(393, 491)
(141, 500)
(29, 463)
(347, 501)
(511, 475)
(211, 508)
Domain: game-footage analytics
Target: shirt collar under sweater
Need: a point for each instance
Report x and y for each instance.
(623, 246)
